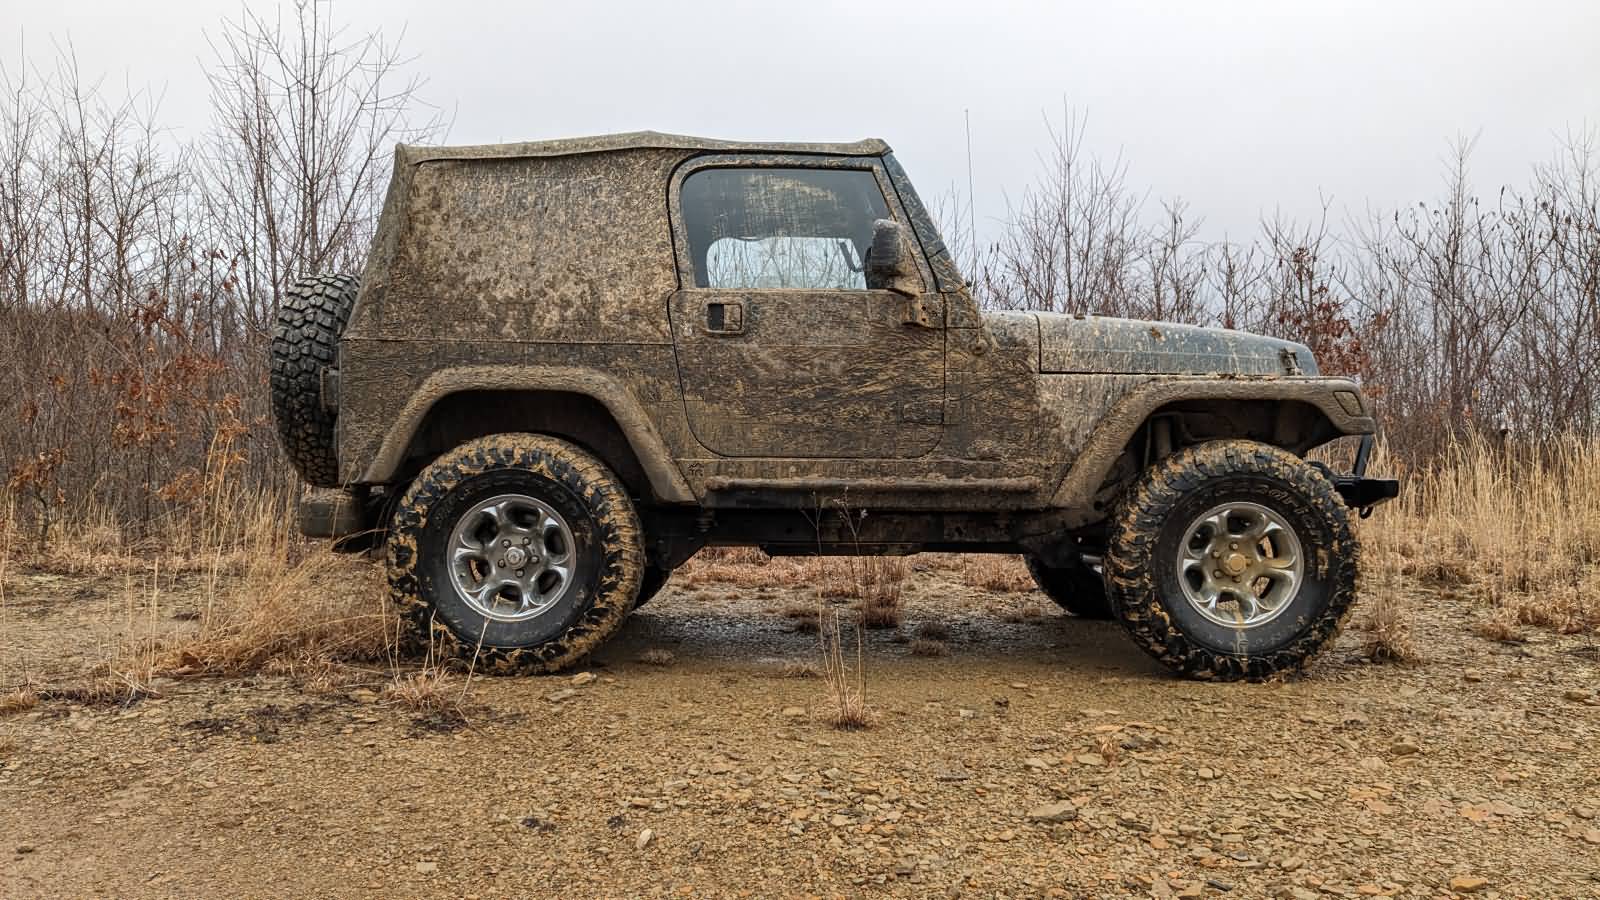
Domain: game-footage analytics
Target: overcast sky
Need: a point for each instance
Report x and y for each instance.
(1238, 106)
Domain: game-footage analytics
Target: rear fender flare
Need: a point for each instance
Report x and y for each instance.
(666, 481)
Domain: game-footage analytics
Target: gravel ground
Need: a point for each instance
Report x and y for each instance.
(1042, 757)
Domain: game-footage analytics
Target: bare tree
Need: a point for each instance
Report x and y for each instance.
(138, 275)
(305, 118)
(1072, 240)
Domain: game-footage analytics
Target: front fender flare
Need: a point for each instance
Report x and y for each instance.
(1111, 436)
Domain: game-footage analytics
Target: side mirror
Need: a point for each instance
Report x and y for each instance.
(887, 259)
(891, 267)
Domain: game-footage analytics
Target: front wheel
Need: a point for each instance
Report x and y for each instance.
(519, 551)
(1232, 559)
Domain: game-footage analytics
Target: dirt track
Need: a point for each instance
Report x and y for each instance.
(1352, 781)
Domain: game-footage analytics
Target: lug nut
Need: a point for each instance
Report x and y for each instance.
(526, 541)
(1235, 579)
(519, 574)
(505, 543)
(1216, 554)
(500, 562)
(1217, 573)
(1234, 545)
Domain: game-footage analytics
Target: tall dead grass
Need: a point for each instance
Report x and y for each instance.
(286, 615)
(846, 684)
(1516, 528)
(262, 599)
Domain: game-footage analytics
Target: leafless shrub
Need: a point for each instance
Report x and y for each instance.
(927, 647)
(1469, 315)
(138, 275)
(933, 631)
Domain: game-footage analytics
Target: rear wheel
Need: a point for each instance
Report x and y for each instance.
(1232, 559)
(1077, 589)
(521, 551)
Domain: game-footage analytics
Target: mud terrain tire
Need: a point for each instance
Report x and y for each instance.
(305, 341)
(1148, 535)
(1077, 589)
(604, 559)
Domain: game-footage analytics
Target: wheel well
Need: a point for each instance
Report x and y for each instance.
(1293, 425)
(462, 416)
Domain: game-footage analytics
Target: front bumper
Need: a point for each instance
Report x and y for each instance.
(1360, 492)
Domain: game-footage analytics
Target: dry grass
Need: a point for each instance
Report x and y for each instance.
(1515, 528)
(997, 573)
(430, 691)
(1502, 626)
(1109, 746)
(1386, 628)
(744, 567)
(289, 615)
(846, 685)
(874, 582)
(271, 602)
(1514, 531)
(878, 583)
(799, 611)
(218, 531)
(1016, 614)
(18, 700)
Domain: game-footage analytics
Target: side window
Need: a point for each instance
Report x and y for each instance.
(804, 229)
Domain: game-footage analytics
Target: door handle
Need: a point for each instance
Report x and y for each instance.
(725, 317)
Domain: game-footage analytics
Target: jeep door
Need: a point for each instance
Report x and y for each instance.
(782, 348)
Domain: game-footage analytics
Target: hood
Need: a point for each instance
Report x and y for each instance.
(1070, 344)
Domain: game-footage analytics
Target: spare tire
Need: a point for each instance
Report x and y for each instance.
(305, 342)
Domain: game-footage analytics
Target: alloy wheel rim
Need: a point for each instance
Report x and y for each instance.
(511, 558)
(1240, 564)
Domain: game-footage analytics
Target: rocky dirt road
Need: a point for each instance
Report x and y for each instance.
(1042, 757)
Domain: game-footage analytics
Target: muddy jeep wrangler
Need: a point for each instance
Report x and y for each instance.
(571, 364)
